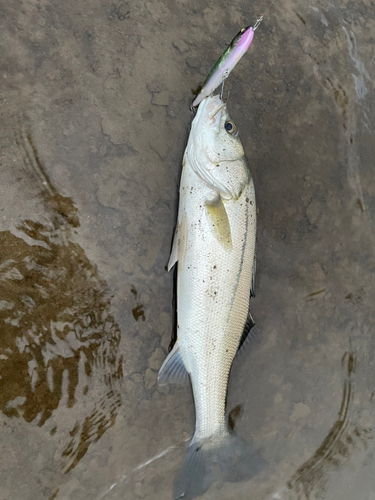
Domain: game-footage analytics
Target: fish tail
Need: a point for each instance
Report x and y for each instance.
(226, 458)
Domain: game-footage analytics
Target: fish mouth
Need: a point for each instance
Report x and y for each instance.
(210, 110)
(217, 111)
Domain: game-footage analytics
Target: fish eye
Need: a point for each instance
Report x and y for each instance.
(230, 127)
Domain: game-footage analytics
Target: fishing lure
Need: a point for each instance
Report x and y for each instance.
(223, 66)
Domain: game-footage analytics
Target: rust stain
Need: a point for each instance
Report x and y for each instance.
(138, 312)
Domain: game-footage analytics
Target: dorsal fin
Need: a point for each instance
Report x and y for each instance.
(249, 332)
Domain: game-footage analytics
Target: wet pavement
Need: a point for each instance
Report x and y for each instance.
(94, 103)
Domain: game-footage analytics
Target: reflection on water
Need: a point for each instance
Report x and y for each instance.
(343, 438)
(57, 331)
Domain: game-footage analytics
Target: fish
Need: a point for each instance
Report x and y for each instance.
(213, 246)
(224, 65)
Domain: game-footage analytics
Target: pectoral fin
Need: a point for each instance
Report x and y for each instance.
(219, 222)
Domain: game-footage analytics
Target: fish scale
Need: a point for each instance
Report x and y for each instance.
(213, 325)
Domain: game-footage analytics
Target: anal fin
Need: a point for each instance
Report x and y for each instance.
(173, 370)
(252, 289)
(174, 252)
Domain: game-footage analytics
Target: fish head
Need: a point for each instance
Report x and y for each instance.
(215, 150)
(215, 134)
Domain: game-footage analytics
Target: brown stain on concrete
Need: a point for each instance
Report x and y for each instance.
(138, 312)
(56, 324)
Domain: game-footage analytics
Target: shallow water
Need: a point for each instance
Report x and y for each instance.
(95, 117)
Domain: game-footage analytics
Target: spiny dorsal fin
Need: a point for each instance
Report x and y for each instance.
(249, 332)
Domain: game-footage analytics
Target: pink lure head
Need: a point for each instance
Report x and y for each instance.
(245, 37)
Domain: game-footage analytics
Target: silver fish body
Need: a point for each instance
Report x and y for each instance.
(214, 247)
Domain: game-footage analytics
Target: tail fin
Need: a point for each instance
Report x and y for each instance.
(228, 458)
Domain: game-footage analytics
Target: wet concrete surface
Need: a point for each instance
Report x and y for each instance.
(94, 104)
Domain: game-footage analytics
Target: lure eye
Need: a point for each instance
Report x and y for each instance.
(231, 128)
